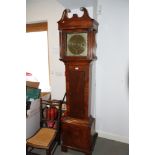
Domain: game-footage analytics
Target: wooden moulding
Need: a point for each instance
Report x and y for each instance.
(74, 22)
(35, 27)
(79, 135)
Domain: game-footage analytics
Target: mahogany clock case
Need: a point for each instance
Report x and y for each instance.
(90, 45)
(83, 26)
(77, 51)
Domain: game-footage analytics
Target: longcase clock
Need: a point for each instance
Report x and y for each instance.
(77, 51)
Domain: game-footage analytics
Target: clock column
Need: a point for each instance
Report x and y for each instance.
(77, 51)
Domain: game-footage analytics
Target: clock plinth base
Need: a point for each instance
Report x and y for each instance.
(79, 135)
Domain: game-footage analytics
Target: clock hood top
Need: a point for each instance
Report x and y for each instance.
(84, 22)
(77, 37)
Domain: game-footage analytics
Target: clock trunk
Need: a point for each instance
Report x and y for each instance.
(77, 86)
(77, 51)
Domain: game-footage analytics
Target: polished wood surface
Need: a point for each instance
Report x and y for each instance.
(77, 24)
(35, 27)
(77, 84)
(79, 134)
(78, 128)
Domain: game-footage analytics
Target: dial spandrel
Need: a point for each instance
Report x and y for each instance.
(76, 44)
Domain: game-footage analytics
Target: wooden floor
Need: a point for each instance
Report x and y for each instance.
(102, 147)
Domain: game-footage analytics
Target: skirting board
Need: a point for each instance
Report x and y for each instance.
(113, 137)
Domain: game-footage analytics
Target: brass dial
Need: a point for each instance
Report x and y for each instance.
(76, 44)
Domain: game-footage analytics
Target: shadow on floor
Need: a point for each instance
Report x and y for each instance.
(102, 147)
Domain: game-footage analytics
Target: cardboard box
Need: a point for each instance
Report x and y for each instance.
(32, 84)
(45, 95)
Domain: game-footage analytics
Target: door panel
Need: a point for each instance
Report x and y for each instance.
(77, 91)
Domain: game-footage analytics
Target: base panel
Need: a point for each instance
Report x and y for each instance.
(79, 135)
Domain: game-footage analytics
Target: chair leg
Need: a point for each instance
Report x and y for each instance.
(27, 150)
(64, 149)
(48, 152)
(59, 140)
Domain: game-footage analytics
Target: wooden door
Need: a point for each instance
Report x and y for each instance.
(78, 83)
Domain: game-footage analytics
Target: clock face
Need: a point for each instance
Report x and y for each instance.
(76, 44)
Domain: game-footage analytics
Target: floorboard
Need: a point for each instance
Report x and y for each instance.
(102, 147)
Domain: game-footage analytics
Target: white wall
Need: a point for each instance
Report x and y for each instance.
(112, 105)
(50, 11)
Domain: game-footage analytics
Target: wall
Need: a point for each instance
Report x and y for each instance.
(51, 11)
(112, 105)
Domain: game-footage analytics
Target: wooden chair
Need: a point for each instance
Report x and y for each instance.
(48, 136)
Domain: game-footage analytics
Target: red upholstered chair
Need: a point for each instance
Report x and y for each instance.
(48, 136)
